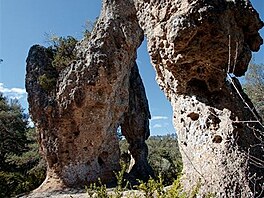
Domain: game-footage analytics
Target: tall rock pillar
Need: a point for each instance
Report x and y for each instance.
(77, 109)
(198, 48)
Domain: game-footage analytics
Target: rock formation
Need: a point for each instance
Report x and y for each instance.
(78, 117)
(195, 46)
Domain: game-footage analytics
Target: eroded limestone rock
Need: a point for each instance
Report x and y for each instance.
(135, 127)
(193, 46)
(77, 119)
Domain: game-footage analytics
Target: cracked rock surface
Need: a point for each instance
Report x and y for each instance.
(77, 120)
(198, 48)
(195, 46)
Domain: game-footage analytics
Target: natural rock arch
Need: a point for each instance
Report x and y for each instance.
(193, 46)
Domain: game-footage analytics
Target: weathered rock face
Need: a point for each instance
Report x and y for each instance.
(77, 119)
(136, 124)
(194, 45)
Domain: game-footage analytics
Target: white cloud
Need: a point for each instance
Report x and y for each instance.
(157, 126)
(159, 118)
(13, 93)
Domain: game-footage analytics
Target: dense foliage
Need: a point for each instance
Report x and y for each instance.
(13, 126)
(164, 157)
(62, 51)
(21, 168)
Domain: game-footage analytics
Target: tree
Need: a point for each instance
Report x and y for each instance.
(254, 86)
(13, 127)
(64, 51)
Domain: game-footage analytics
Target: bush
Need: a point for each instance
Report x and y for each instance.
(64, 52)
(10, 183)
(47, 82)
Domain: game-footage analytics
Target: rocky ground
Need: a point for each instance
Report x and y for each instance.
(77, 193)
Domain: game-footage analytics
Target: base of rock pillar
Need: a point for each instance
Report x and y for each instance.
(51, 183)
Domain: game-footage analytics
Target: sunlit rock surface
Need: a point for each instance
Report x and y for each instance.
(193, 46)
(197, 48)
(101, 90)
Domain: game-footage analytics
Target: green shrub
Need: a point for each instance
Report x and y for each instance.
(25, 171)
(10, 184)
(64, 52)
(47, 82)
(98, 190)
(152, 187)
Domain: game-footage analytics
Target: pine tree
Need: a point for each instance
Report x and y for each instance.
(13, 127)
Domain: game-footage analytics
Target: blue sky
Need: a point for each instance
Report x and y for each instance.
(24, 23)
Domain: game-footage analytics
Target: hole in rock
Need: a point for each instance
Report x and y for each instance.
(193, 116)
(217, 139)
(100, 161)
(76, 133)
(125, 157)
(197, 86)
(213, 121)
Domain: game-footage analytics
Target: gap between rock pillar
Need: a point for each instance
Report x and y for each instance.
(196, 47)
(135, 127)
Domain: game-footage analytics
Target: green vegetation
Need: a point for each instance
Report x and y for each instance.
(21, 168)
(254, 86)
(164, 157)
(64, 53)
(150, 189)
(13, 126)
(47, 82)
(99, 190)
